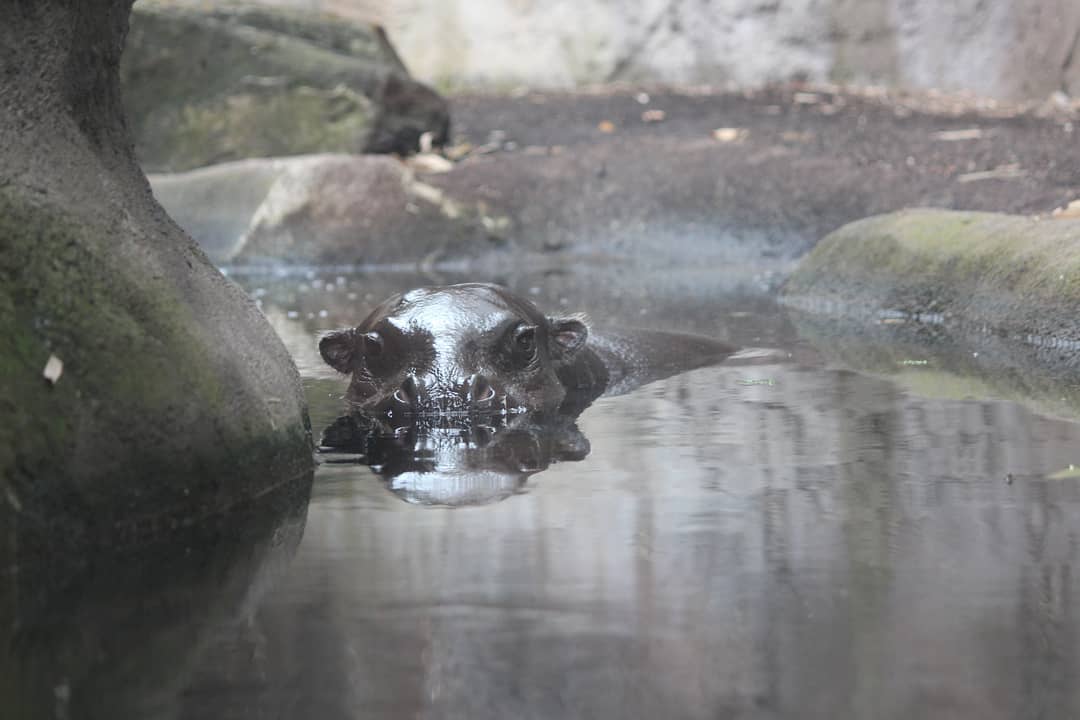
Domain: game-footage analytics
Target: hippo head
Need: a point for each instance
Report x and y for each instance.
(459, 349)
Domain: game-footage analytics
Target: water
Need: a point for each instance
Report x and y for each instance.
(791, 540)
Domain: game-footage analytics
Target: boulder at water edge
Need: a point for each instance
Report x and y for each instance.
(139, 389)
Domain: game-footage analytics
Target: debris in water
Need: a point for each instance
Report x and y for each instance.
(1009, 479)
(54, 368)
(653, 116)
(606, 126)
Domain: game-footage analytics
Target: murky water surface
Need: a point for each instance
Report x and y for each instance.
(789, 540)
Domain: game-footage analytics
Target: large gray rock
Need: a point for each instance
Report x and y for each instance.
(324, 209)
(1008, 275)
(210, 82)
(176, 399)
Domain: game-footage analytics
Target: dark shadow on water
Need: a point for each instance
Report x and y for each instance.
(455, 461)
(117, 634)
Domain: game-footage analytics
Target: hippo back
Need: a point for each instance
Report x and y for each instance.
(618, 361)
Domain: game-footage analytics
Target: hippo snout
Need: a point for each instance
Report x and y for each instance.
(430, 395)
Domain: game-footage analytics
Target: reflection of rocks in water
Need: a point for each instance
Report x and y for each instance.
(120, 633)
(455, 460)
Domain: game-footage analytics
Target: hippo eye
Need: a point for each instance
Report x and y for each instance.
(525, 339)
(373, 344)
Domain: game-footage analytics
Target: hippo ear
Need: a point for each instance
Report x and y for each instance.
(568, 336)
(339, 348)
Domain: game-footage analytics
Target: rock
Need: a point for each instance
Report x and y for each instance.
(177, 400)
(215, 204)
(324, 209)
(210, 82)
(1006, 275)
(359, 210)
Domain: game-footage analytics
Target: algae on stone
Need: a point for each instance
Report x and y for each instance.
(1017, 275)
(205, 83)
(132, 349)
(177, 400)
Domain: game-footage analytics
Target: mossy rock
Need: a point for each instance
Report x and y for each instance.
(175, 401)
(1009, 275)
(205, 83)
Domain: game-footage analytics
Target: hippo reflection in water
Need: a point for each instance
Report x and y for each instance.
(455, 461)
(448, 383)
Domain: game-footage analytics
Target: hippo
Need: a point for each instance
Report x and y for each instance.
(481, 349)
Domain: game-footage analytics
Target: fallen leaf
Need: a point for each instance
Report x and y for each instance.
(730, 135)
(1002, 172)
(54, 368)
(456, 152)
(955, 135)
(1072, 210)
(653, 116)
(1067, 474)
(606, 126)
(427, 141)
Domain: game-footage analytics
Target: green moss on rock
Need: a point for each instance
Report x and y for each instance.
(1017, 275)
(204, 84)
(137, 376)
(290, 121)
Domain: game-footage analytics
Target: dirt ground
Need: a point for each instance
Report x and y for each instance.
(782, 166)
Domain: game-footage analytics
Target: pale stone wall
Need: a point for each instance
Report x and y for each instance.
(1001, 48)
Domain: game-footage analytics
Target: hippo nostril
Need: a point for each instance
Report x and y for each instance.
(480, 390)
(409, 392)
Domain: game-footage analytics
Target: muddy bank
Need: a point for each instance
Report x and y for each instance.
(670, 178)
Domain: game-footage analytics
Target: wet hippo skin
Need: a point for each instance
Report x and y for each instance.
(480, 349)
